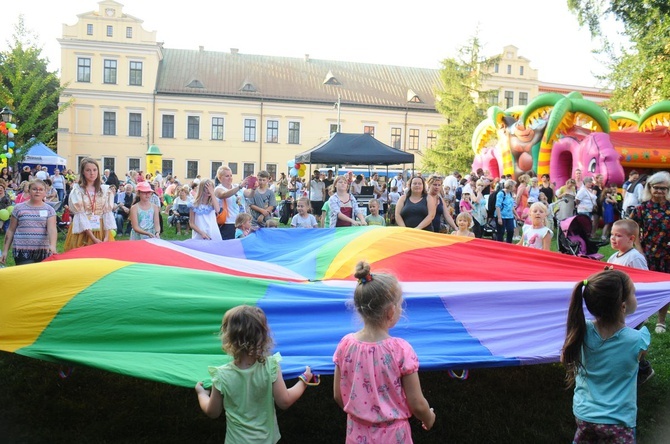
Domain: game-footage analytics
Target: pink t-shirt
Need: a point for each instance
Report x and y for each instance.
(371, 386)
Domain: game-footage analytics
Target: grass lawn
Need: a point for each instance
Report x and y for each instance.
(499, 405)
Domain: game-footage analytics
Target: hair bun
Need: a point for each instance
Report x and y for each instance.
(362, 270)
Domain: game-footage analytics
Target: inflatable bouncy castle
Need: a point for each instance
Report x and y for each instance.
(557, 134)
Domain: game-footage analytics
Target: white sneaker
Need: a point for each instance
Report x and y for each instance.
(660, 328)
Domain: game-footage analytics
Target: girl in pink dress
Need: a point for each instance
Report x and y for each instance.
(376, 381)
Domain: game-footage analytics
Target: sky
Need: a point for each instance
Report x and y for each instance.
(417, 33)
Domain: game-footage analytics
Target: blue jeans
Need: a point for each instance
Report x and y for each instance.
(507, 227)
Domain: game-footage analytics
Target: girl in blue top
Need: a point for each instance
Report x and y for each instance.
(601, 357)
(250, 385)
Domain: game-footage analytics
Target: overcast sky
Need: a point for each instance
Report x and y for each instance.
(416, 33)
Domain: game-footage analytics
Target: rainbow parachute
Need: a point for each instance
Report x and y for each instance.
(152, 309)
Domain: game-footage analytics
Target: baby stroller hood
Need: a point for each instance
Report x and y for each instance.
(573, 238)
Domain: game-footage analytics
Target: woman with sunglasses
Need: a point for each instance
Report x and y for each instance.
(653, 217)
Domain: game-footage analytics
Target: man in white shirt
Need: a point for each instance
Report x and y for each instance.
(452, 181)
(317, 190)
(399, 183)
(42, 174)
(586, 198)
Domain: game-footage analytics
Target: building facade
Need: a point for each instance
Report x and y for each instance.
(203, 109)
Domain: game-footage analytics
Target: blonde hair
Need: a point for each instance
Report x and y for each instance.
(245, 332)
(201, 191)
(631, 227)
(465, 216)
(306, 202)
(375, 294)
(241, 219)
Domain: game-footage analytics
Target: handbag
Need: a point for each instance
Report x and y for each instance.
(223, 213)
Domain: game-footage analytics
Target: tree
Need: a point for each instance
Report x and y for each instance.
(30, 90)
(463, 104)
(639, 73)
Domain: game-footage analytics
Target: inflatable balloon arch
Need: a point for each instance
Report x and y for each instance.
(9, 130)
(296, 169)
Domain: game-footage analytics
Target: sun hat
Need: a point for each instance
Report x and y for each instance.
(144, 187)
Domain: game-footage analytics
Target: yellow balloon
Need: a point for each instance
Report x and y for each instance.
(303, 167)
(301, 173)
(11, 151)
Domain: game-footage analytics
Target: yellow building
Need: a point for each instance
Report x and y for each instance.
(203, 109)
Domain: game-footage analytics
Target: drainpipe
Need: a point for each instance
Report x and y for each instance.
(260, 146)
(404, 145)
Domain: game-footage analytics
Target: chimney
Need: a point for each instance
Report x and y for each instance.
(306, 57)
(234, 50)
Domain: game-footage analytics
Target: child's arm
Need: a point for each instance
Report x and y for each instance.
(157, 223)
(285, 397)
(546, 241)
(337, 393)
(210, 403)
(416, 401)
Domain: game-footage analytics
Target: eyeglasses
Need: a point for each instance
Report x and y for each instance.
(664, 189)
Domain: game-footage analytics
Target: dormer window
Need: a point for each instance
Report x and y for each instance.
(195, 84)
(413, 97)
(89, 29)
(110, 31)
(248, 87)
(129, 32)
(331, 79)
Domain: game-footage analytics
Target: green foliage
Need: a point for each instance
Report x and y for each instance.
(463, 104)
(638, 74)
(30, 90)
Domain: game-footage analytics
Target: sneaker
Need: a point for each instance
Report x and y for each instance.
(645, 373)
(660, 328)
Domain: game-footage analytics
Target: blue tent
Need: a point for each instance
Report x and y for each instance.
(40, 154)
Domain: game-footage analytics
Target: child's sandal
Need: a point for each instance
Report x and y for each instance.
(660, 328)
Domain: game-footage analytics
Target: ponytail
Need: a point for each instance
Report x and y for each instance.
(575, 332)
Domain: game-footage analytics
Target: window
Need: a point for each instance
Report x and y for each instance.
(509, 99)
(431, 139)
(249, 130)
(523, 98)
(396, 138)
(520, 70)
(413, 139)
(217, 128)
(271, 168)
(494, 97)
(135, 125)
(191, 169)
(212, 172)
(167, 167)
(109, 163)
(83, 69)
(193, 128)
(294, 132)
(509, 69)
(109, 123)
(89, 29)
(333, 128)
(248, 169)
(110, 71)
(273, 131)
(168, 126)
(80, 158)
(496, 68)
(129, 32)
(233, 167)
(134, 164)
(110, 31)
(369, 130)
(135, 74)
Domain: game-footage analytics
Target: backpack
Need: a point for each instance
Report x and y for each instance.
(223, 212)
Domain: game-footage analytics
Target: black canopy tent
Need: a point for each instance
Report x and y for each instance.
(354, 149)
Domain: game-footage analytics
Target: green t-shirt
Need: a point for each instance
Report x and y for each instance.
(248, 401)
(375, 220)
(326, 213)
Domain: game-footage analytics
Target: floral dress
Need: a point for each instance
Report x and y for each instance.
(654, 221)
(371, 385)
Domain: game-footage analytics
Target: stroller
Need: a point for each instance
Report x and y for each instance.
(573, 238)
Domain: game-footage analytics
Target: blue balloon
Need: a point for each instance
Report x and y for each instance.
(10, 144)
(293, 172)
(291, 163)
